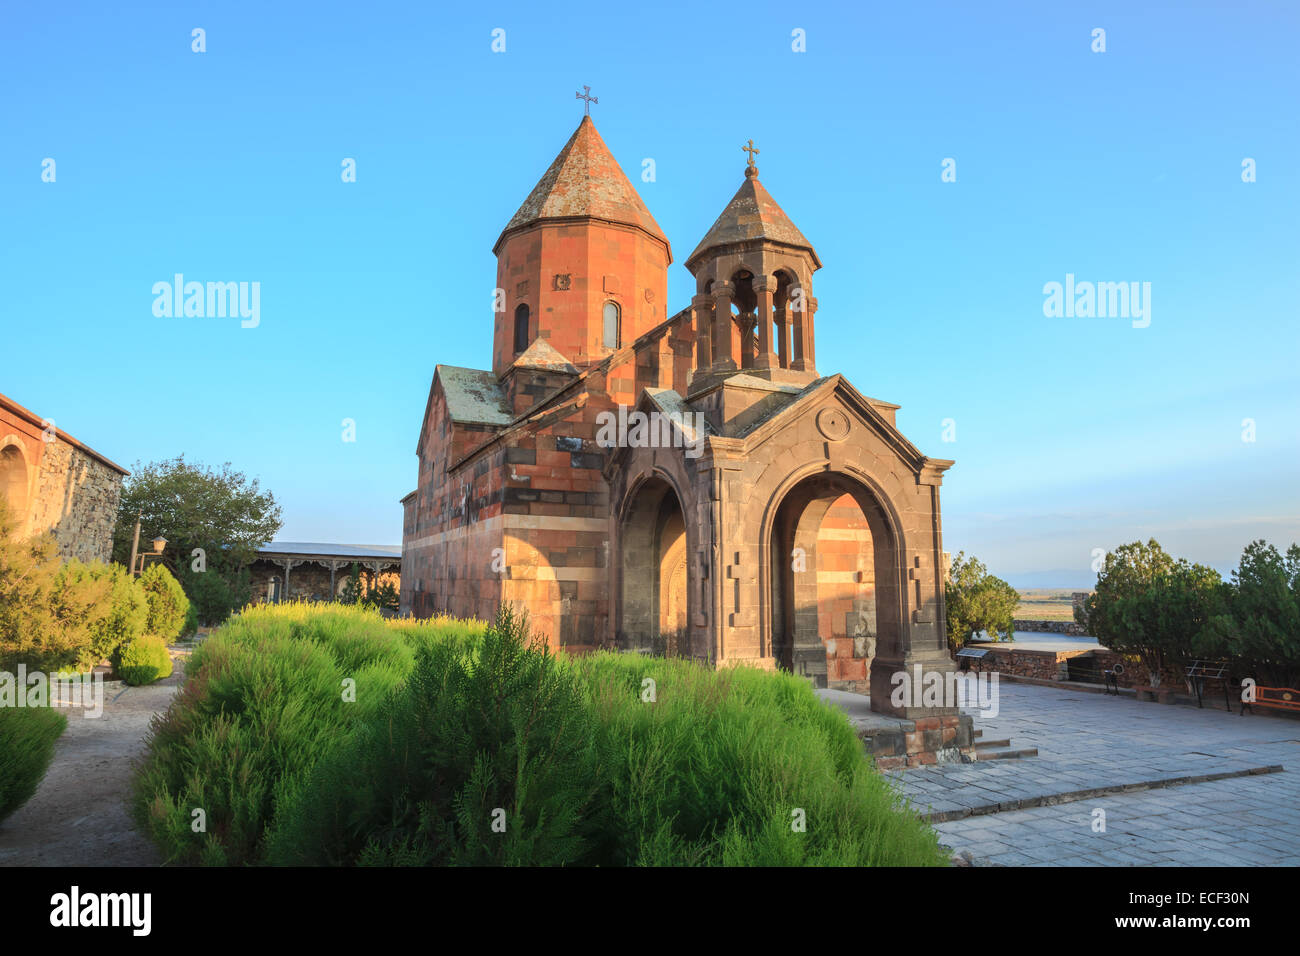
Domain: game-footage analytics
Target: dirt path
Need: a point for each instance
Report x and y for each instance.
(78, 816)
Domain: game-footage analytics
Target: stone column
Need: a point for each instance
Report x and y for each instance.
(782, 321)
(289, 565)
(810, 335)
(802, 328)
(702, 313)
(763, 288)
(748, 324)
(724, 358)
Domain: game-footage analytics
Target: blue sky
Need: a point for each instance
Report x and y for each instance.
(1071, 433)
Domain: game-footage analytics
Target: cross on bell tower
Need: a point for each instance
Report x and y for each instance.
(750, 169)
(589, 99)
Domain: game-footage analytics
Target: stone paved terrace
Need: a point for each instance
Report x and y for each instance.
(1151, 767)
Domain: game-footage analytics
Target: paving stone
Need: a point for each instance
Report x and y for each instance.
(1095, 742)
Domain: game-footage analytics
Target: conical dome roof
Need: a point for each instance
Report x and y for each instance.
(752, 214)
(584, 182)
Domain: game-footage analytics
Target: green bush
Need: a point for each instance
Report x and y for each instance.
(718, 769)
(215, 594)
(45, 615)
(168, 605)
(144, 660)
(118, 619)
(191, 621)
(27, 736)
(264, 699)
(506, 727)
(451, 724)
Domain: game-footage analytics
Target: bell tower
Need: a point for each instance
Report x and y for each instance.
(753, 308)
(582, 264)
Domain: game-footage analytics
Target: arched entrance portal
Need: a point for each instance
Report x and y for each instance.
(834, 564)
(653, 605)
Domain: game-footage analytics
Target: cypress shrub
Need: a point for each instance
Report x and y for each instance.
(585, 762)
(484, 758)
(465, 746)
(27, 736)
(168, 605)
(144, 660)
(121, 619)
(265, 697)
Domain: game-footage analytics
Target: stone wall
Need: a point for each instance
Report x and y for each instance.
(1055, 666)
(76, 499)
(1051, 627)
(846, 596)
(57, 485)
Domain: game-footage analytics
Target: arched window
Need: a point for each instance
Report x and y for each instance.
(611, 333)
(521, 328)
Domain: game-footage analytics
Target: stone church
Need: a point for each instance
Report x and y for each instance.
(769, 515)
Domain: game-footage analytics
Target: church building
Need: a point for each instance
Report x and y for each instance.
(684, 483)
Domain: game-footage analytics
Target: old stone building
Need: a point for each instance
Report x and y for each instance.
(53, 483)
(760, 513)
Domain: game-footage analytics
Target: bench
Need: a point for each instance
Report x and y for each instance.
(1278, 698)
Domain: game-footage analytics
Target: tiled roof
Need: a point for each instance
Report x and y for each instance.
(332, 550)
(585, 181)
(9, 405)
(474, 397)
(542, 354)
(752, 214)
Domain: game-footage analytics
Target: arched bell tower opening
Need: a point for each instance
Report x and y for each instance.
(653, 588)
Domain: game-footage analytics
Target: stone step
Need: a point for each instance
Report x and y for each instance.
(991, 744)
(1005, 754)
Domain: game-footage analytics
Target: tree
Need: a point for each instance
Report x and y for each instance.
(222, 512)
(215, 594)
(978, 601)
(1149, 605)
(1259, 628)
(356, 591)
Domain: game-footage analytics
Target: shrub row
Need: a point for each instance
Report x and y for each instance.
(266, 696)
(472, 747)
(27, 736)
(57, 615)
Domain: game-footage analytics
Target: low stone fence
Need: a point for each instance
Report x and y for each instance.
(1054, 665)
(1053, 627)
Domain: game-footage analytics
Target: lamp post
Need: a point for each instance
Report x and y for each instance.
(159, 543)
